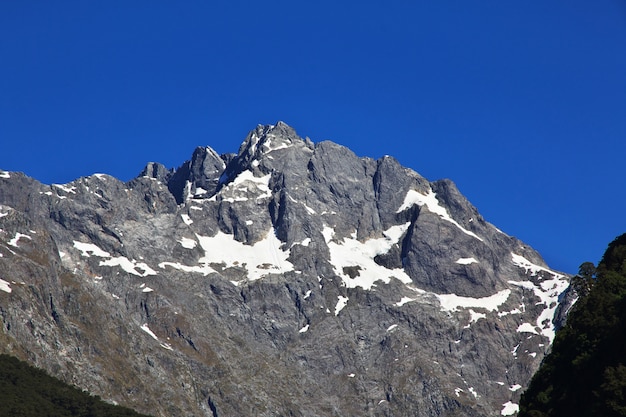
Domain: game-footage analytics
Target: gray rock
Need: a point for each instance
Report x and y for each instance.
(291, 278)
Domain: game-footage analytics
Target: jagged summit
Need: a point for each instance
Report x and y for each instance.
(288, 278)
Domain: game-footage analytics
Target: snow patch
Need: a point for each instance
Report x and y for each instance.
(527, 328)
(201, 269)
(466, 261)
(430, 201)
(146, 329)
(354, 261)
(474, 316)
(68, 190)
(390, 328)
(341, 303)
(304, 329)
(188, 243)
(5, 174)
(17, 237)
(5, 286)
(132, 267)
(404, 300)
(452, 302)
(186, 219)
(267, 144)
(88, 249)
(509, 408)
(515, 387)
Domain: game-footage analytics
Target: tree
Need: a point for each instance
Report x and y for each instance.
(586, 278)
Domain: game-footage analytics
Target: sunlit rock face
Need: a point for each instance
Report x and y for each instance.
(291, 278)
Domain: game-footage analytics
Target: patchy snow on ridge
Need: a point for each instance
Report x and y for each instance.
(548, 291)
(245, 184)
(263, 258)
(269, 148)
(69, 190)
(522, 262)
(5, 174)
(430, 200)
(354, 260)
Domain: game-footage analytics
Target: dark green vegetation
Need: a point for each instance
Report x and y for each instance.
(585, 375)
(28, 392)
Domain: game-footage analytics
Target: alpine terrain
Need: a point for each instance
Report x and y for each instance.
(292, 278)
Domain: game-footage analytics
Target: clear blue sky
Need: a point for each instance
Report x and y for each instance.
(522, 104)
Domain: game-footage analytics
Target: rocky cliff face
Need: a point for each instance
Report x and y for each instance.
(292, 278)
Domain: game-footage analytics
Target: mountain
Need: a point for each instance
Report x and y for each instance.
(585, 375)
(291, 278)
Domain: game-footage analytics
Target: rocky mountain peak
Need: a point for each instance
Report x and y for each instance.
(289, 278)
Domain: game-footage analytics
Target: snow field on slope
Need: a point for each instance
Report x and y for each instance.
(262, 258)
(350, 252)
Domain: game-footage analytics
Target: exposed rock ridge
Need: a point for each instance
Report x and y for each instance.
(290, 278)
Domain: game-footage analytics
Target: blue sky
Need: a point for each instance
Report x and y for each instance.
(522, 104)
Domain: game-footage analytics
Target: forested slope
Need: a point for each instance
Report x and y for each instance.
(585, 374)
(26, 391)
